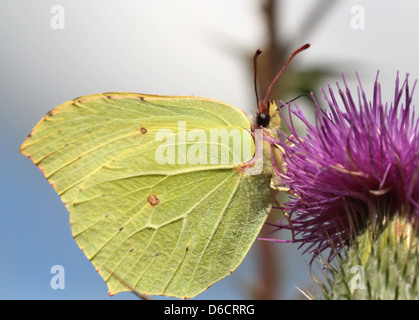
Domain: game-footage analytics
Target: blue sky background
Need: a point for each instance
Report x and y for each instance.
(181, 47)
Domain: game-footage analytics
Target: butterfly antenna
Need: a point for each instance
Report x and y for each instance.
(313, 99)
(255, 69)
(304, 47)
(300, 96)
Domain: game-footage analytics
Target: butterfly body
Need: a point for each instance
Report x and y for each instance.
(268, 120)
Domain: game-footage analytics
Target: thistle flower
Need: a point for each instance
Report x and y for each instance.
(355, 173)
(355, 167)
(354, 185)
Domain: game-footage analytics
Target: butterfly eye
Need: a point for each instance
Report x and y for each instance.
(263, 119)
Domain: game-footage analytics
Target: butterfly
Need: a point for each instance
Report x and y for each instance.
(163, 191)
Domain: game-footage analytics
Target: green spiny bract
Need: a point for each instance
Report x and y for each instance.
(381, 265)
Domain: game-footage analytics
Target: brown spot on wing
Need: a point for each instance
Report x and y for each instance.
(153, 200)
(143, 130)
(50, 113)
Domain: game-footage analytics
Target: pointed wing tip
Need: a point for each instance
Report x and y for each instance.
(23, 152)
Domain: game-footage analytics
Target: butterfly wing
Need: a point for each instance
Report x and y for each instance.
(146, 223)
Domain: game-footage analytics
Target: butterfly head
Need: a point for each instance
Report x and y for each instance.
(268, 115)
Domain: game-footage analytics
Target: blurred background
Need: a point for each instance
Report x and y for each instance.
(54, 51)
